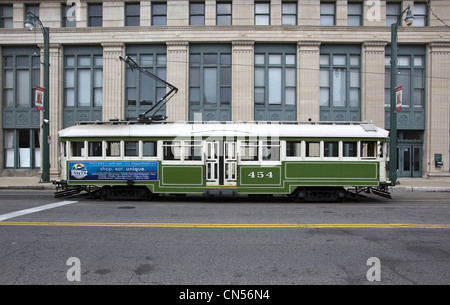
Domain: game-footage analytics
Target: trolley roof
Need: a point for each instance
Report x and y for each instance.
(225, 129)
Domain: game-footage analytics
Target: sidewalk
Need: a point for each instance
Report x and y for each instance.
(406, 184)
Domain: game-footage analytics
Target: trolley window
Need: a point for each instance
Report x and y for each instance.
(350, 149)
(77, 148)
(331, 149)
(271, 151)
(131, 148)
(113, 148)
(95, 149)
(249, 151)
(172, 150)
(293, 148)
(312, 149)
(193, 150)
(149, 149)
(368, 149)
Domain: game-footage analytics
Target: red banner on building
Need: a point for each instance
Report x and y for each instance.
(39, 99)
(399, 97)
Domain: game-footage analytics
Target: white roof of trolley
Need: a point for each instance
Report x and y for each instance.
(120, 129)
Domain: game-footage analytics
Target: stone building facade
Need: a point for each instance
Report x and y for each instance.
(240, 60)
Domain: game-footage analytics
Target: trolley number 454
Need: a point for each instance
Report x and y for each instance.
(260, 175)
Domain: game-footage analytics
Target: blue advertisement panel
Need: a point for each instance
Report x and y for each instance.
(113, 171)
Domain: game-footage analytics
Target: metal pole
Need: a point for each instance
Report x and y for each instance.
(45, 176)
(393, 114)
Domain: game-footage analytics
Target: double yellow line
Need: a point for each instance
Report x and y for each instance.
(237, 225)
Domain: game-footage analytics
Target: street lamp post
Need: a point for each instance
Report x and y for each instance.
(29, 25)
(393, 113)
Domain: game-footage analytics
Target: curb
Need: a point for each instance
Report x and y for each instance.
(420, 189)
(27, 187)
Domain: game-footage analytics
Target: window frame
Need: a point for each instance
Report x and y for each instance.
(197, 18)
(95, 18)
(257, 6)
(325, 15)
(131, 17)
(227, 16)
(6, 21)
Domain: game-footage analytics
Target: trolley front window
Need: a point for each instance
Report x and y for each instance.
(77, 149)
(95, 149)
(368, 149)
(249, 151)
(172, 150)
(149, 149)
(312, 149)
(131, 148)
(293, 148)
(271, 151)
(193, 150)
(113, 148)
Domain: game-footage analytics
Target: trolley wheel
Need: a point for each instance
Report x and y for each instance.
(105, 193)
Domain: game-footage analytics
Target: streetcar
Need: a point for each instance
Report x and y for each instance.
(307, 161)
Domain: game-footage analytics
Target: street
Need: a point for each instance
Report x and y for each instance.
(193, 241)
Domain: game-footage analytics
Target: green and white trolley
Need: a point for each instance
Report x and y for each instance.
(304, 160)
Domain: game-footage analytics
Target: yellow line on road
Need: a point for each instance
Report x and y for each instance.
(215, 225)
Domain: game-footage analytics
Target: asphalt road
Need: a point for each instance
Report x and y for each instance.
(193, 241)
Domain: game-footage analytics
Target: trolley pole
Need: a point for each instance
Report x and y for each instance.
(29, 25)
(393, 113)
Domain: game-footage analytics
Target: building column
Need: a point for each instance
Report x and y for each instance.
(113, 82)
(436, 139)
(372, 82)
(308, 92)
(242, 105)
(56, 107)
(177, 109)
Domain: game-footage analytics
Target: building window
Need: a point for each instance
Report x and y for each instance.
(143, 92)
(32, 8)
(275, 83)
(159, 14)
(6, 16)
(328, 13)
(393, 10)
(20, 121)
(355, 14)
(340, 83)
(83, 84)
(262, 13)
(224, 13)
(289, 13)
(22, 148)
(95, 15)
(411, 76)
(68, 19)
(420, 14)
(197, 13)
(411, 64)
(21, 75)
(132, 14)
(210, 82)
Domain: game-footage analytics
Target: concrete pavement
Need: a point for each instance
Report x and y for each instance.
(441, 184)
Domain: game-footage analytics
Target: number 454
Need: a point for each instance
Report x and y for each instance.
(260, 175)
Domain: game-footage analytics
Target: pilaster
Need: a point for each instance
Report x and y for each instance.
(308, 106)
(372, 82)
(55, 104)
(113, 82)
(436, 140)
(177, 74)
(243, 81)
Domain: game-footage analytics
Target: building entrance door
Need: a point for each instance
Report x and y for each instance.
(409, 160)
